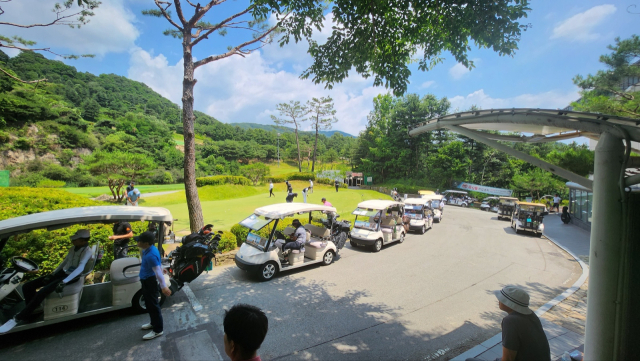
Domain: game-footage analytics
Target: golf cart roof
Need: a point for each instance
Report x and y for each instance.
(378, 204)
(430, 197)
(423, 192)
(420, 201)
(509, 198)
(491, 198)
(283, 210)
(82, 215)
(531, 204)
(454, 191)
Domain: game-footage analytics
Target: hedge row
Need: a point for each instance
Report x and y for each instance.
(292, 176)
(227, 242)
(330, 182)
(222, 179)
(20, 201)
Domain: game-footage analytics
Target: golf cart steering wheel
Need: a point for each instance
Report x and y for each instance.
(24, 265)
(279, 235)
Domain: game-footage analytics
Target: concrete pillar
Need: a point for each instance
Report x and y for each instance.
(605, 255)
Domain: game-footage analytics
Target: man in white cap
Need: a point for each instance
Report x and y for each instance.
(522, 335)
(67, 272)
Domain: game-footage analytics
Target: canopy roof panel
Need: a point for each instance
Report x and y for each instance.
(282, 210)
(418, 201)
(378, 204)
(82, 215)
(541, 122)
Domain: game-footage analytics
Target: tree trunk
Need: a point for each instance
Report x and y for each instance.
(315, 149)
(196, 220)
(298, 145)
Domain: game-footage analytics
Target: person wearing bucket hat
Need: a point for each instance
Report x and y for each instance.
(522, 335)
(67, 272)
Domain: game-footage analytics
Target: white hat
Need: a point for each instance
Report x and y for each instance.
(515, 298)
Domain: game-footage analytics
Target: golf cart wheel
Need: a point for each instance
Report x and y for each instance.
(353, 244)
(327, 259)
(401, 238)
(517, 230)
(267, 271)
(140, 306)
(423, 230)
(539, 234)
(463, 205)
(499, 218)
(377, 246)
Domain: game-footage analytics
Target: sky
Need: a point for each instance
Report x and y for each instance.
(566, 38)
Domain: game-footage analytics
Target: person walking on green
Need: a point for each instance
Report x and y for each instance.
(271, 189)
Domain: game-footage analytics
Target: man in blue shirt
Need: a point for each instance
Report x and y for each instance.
(150, 276)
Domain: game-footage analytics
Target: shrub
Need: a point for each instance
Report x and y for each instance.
(292, 176)
(222, 179)
(228, 242)
(19, 201)
(240, 232)
(4, 137)
(22, 143)
(48, 183)
(330, 182)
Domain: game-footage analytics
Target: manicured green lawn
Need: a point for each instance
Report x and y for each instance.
(91, 192)
(227, 212)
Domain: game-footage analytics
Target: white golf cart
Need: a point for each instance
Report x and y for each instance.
(261, 256)
(490, 204)
(418, 214)
(528, 217)
(437, 205)
(378, 222)
(456, 198)
(506, 206)
(77, 299)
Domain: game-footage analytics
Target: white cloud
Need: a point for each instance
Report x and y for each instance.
(458, 71)
(579, 26)
(547, 100)
(427, 84)
(110, 30)
(247, 89)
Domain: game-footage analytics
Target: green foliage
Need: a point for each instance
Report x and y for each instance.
(228, 242)
(610, 91)
(20, 201)
(255, 172)
(48, 183)
(118, 166)
(537, 183)
(22, 143)
(382, 39)
(222, 179)
(304, 176)
(240, 233)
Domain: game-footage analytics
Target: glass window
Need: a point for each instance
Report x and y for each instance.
(572, 201)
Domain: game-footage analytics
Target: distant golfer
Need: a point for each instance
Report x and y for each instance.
(310, 185)
(304, 194)
(337, 185)
(291, 196)
(271, 189)
(326, 202)
(556, 203)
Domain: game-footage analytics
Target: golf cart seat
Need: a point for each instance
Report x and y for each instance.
(288, 231)
(125, 271)
(66, 303)
(316, 231)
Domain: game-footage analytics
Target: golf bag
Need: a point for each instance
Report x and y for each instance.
(188, 261)
(339, 230)
(565, 216)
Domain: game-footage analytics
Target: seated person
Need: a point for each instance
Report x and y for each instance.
(70, 268)
(295, 241)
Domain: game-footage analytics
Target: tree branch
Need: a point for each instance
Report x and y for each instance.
(58, 21)
(179, 11)
(165, 14)
(235, 50)
(22, 81)
(222, 23)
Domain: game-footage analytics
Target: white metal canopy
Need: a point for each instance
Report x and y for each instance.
(82, 215)
(282, 210)
(418, 201)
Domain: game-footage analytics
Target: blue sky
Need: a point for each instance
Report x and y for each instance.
(566, 38)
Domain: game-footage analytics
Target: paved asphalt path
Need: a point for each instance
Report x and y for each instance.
(428, 298)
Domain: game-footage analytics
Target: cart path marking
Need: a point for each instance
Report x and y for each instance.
(192, 298)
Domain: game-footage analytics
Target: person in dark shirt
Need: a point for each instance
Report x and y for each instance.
(337, 184)
(522, 335)
(122, 234)
(245, 328)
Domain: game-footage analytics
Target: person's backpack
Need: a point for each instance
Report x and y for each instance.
(565, 216)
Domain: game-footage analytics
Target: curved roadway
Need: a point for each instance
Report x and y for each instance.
(427, 298)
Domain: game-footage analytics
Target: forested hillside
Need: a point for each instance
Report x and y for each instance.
(49, 130)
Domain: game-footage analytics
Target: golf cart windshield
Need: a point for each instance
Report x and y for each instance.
(255, 222)
(366, 218)
(435, 203)
(530, 208)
